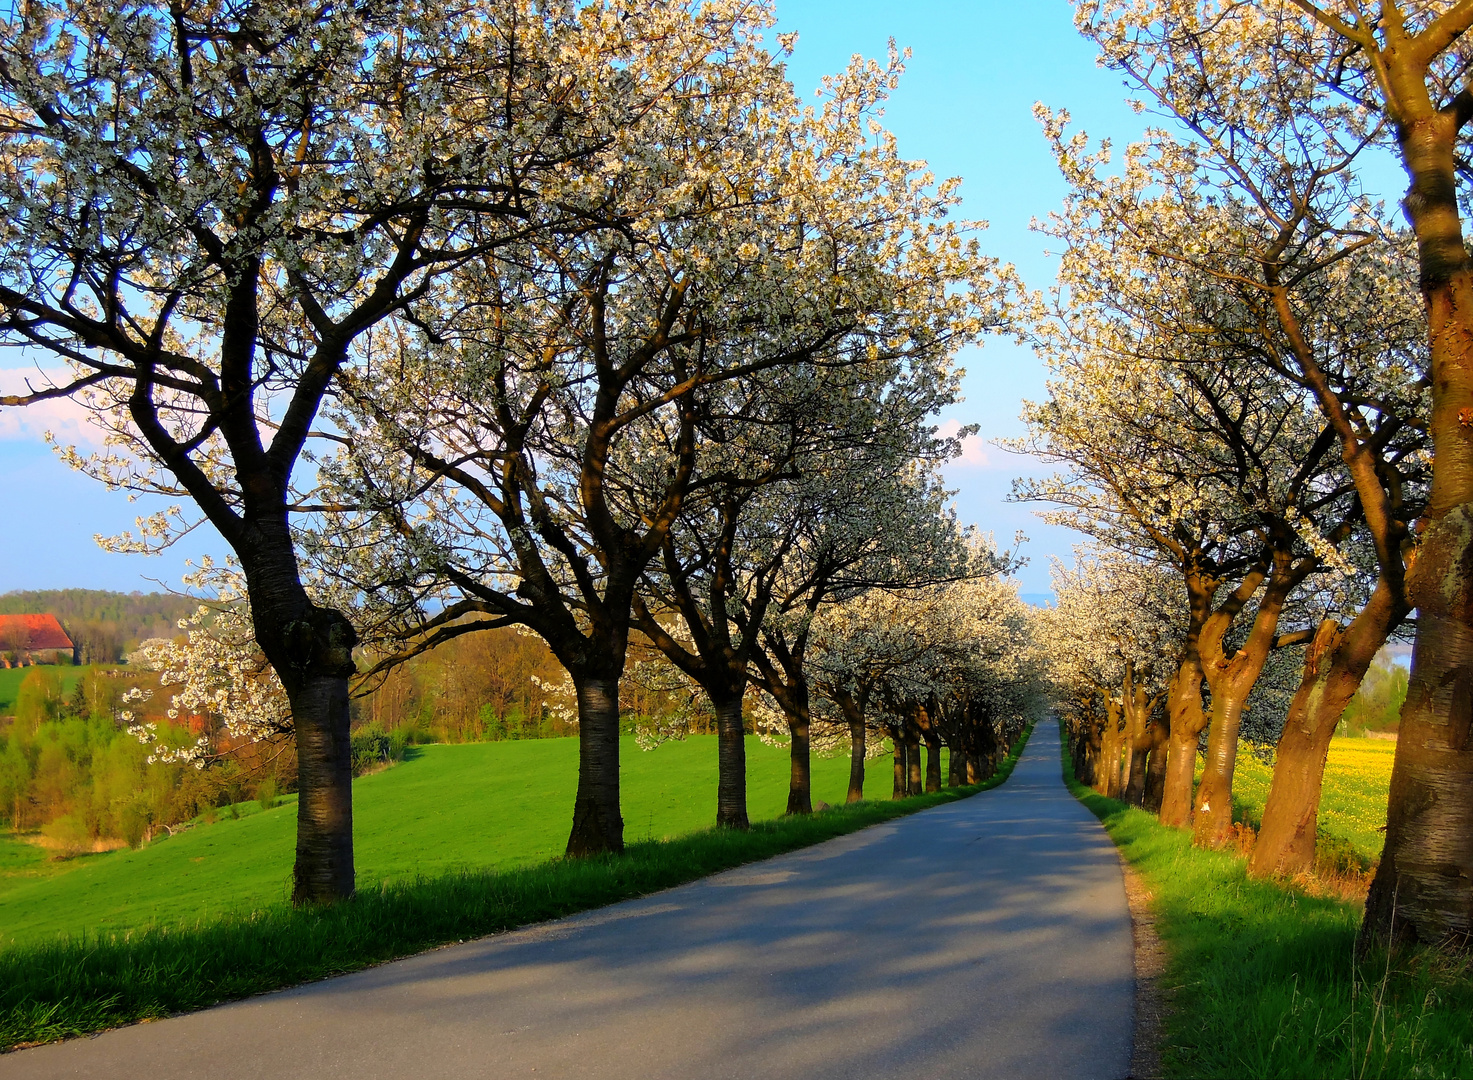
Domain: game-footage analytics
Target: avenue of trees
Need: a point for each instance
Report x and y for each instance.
(1260, 412)
(574, 321)
(447, 320)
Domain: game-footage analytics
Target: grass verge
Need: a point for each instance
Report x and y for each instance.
(77, 985)
(1262, 980)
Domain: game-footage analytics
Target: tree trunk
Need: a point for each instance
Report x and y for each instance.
(1286, 842)
(1213, 818)
(913, 762)
(1184, 705)
(311, 649)
(1155, 787)
(1423, 889)
(324, 865)
(597, 824)
(933, 763)
(800, 799)
(1231, 679)
(1087, 753)
(1135, 785)
(731, 758)
(1138, 709)
(953, 768)
(856, 761)
(1111, 745)
(898, 745)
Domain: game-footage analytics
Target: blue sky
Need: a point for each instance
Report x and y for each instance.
(965, 106)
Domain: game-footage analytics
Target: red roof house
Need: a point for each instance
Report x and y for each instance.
(27, 638)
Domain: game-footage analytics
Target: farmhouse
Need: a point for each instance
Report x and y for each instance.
(34, 639)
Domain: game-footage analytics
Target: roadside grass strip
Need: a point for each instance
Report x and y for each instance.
(76, 985)
(1261, 978)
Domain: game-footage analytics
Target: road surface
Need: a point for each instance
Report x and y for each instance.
(986, 938)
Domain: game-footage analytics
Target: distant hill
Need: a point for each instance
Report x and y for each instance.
(104, 625)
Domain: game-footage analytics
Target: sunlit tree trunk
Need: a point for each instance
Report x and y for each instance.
(1424, 884)
(1230, 679)
(1184, 702)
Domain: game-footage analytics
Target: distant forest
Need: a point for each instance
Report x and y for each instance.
(103, 625)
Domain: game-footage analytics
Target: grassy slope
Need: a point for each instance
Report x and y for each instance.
(64, 986)
(477, 806)
(1262, 978)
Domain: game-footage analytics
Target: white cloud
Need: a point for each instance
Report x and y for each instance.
(974, 450)
(64, 418)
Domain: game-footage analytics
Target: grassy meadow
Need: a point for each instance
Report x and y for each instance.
(1261, 976)
(478, 806)
(10, 679)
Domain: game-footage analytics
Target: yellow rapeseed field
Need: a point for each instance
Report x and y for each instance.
(1353, 806)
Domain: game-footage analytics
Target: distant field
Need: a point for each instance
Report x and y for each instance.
(479, 805)
(1353, 805)
(10, 679)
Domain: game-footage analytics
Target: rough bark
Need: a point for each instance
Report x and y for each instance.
(731, 755)
(1184, 703)
(311, 649)
(324, 863)
(1212, 817)
(856, 761)
(598, 825)
(800, 774)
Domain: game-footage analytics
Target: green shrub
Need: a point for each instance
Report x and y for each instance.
(69, 836)
(133, 824)
(373, 747)
(266, 793)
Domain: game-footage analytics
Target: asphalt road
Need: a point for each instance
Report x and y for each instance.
(987, 938)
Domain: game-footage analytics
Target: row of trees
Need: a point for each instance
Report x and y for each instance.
(599, 328)
(1261, 406)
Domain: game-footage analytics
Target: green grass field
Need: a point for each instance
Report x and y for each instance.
(10, 679)
(1261, 977)
(480, 806)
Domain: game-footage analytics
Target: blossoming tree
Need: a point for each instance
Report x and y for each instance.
(525, 457)
(209, 209)
(1282, 99)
